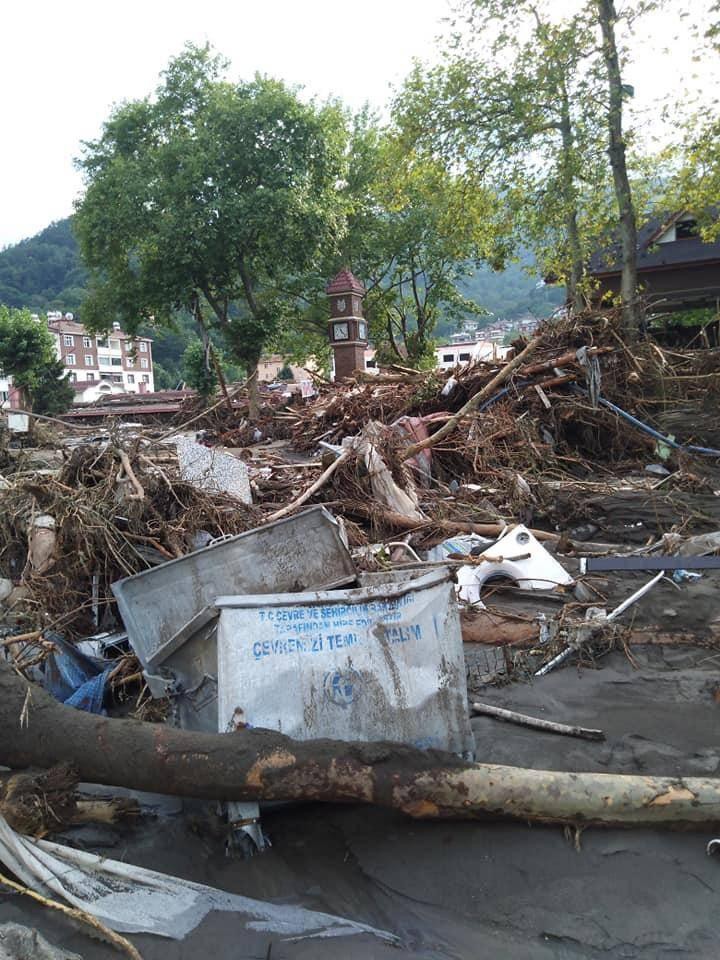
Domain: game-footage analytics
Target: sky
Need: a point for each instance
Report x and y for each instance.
(65, 64)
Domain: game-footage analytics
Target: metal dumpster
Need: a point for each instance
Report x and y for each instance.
(301, 552)
(379, 662)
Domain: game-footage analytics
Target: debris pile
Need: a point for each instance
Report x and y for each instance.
(358, 565)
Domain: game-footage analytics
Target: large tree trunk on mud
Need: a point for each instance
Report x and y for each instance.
(37, 731)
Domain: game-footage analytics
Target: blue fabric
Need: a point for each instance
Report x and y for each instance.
(91, 694)
(74, 678)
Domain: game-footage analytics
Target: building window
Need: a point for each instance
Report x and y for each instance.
(87, 343)
(116, 361)
(463, 356)
(70, 359)
(104, 361)
(143, 363)
(90, 377)
(448, 358)
(72, 377)
(68, 340)
(370, 363)
(131, 378)
(117, 378)
(114, 344)
(684, 229)
(102, 342)
(130, 361)
(89, 362)
(146, 378)
(143, 346)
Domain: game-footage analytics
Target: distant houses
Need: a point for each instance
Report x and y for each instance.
(101, 365)
(97, 366)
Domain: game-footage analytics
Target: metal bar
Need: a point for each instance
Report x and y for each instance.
(651, 563)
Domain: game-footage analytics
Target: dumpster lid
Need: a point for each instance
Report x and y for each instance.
(381, 591)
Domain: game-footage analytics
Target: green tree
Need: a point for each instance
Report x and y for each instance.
(694, 159)
(52, 392)
(533, 103)
(198, 369)
(27, 354)
(413, 233)
(513, 106)
(210, 193)
(425, 231)
(607, 18)
(164, 378)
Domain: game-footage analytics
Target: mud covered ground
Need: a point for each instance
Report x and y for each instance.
(477, 890)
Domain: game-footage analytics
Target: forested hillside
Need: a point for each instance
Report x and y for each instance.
(43, 272)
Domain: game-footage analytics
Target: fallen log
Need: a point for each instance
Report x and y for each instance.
(45, 801)
(380, 514)
(251, 764)
(569, 357)
(497, 630)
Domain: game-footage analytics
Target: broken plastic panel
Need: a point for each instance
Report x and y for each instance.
(517, 556)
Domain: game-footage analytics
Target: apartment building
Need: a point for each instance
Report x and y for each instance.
(112, 363)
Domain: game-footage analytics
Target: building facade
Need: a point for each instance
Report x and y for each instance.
(115, 359)
(677, 270)
(450, 355)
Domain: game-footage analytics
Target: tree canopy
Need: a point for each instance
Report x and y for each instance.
(414, 232)
(27, 354)
(531, 101)
(209, 192)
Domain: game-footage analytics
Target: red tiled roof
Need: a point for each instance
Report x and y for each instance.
(345, 282)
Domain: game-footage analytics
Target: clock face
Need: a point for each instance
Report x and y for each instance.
(362, 330)
(340, 331)
(341, 305)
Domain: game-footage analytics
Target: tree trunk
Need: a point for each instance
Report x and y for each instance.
(577, 268)
(607, 17)
(36, 730)
(253, 390)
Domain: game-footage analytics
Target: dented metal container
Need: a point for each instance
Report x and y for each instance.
(383, 661)
(301, 552)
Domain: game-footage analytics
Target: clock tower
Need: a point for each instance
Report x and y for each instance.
(348, 328)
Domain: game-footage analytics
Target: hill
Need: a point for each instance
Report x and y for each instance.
(44, 272)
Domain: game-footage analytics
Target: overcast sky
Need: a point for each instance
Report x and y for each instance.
(66, 62)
